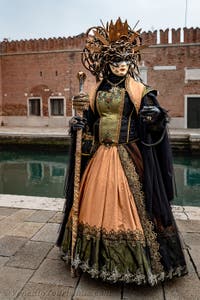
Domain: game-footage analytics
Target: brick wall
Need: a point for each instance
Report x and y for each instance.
(0, 91)
(171, 83)
(40, 68)
(48, 67)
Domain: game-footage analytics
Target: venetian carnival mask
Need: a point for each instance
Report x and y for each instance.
(115, 46)
(120, 68)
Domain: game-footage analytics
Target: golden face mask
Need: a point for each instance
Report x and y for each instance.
(119, 68)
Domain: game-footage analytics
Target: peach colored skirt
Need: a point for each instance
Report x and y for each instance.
(105, 198)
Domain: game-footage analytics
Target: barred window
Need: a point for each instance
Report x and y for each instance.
(57, 106)
(34, 107)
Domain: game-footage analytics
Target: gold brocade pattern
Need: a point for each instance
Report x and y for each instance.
(136, 90)
(110, 106)
(136, 188)
(95, 232)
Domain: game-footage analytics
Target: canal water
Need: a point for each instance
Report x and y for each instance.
(39, 173)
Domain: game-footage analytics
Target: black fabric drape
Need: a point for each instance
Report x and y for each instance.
(158, 165)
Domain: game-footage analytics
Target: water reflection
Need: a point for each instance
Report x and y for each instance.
(37, 174)
(35, 171)
(42, 174)
(187, 173)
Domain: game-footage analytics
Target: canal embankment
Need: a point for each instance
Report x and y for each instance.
(182, 140)
(185, 140)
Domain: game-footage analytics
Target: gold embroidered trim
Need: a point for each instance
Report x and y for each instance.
(129, 125)
(92, 95)
(127, 277)
(147, 89)
(136, 188)
(138, 277)
(110, 236)
(120, 113)
(135, 90)
(128, 235)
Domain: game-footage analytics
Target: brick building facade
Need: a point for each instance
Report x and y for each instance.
(38, 77)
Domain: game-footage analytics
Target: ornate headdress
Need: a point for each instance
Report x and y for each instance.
(115, 42)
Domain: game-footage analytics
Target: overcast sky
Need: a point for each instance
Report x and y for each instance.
(26, 19)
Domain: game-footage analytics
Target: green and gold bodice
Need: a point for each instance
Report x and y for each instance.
(110, 108)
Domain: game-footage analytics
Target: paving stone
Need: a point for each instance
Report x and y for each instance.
(38, 291)
(27, 229)
(195, 254)
(192, 212)
(10, 244)
(32, 202)
(2, 217)
(177, 208)
(21, 215)
(12, 281)
(54, 253)
(30, 255)
(41, 216)
(3, 260)
(188, 226)
(7, 211)
(57, 218)
(7, 227)
(143, 292)
(190, 267)
(54, 271)
(191, 238)
(48, 233)
(89, 288)
(183, 288)
(180, 215)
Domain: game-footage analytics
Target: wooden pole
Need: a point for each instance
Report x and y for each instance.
(79, 104)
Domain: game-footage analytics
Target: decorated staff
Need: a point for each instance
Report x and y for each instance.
(80, 103)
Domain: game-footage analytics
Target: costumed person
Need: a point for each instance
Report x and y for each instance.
(125, 231)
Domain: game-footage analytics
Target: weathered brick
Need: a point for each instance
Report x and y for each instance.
(48, 67)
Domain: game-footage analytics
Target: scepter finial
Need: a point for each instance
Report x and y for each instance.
(81, 77)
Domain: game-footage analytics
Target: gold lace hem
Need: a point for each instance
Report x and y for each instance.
(114, 276)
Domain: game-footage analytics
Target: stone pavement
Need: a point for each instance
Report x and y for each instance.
(31, 268)
(33, 131)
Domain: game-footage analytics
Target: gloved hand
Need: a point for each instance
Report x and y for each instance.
(149, 114)
(80, 101)
(77, 123)
(154, 118)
